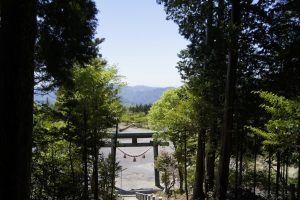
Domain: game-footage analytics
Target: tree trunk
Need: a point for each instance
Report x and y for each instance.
(71, 158)
(85, 171)
(241, 161)
(53, 178)
(238, 153)
(209, 24)
(180, 180)
(72, 171)
(286, 179)
(198, 188)
(220, 13)
(210, 165)
(277, 175)
(180, 171)
(269, 174)
(222, 180)
(283, 180)
(185, 167)
(17, 39)
(254, 174)
(236, 170)
(298, 190)
(211, 157)
(298, 193)
(113, 154)
(85, 157)
(95, 172)
(198, 193)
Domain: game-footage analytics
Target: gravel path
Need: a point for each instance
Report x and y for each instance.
(139, 174)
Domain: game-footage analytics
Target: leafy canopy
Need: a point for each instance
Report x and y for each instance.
(282, 130)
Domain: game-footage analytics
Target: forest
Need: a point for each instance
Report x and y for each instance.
(234, 124)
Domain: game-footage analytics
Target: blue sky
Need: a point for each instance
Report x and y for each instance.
(140, 41)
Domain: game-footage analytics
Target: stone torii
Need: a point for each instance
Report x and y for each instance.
(134, 135)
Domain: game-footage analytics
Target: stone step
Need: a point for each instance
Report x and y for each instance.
(129, 198)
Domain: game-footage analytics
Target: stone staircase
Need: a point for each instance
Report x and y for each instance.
(139, 194)
(129, 197)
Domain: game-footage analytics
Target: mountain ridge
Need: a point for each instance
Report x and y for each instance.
(129, 95)
(140, 94)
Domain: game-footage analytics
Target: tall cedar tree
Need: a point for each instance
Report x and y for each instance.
(65, 36)
(222, 180)
(17, 39)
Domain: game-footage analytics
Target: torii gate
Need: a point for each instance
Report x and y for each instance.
(134, 136)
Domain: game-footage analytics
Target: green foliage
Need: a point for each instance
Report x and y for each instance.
(66, 32)
(137, 115)
(166, 164)
(175, 119)
(139, 119)
(51, 172)
(105, 174)
(173, 113)
(282, 130)
(94, 95)
(72, 130)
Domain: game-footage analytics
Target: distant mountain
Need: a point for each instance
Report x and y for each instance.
(44, 98)
(132, 95)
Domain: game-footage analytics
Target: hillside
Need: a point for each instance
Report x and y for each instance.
(43, 98)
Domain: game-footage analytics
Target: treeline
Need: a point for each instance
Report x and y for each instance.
(140, 108)
(236, 47)
(136, 115)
